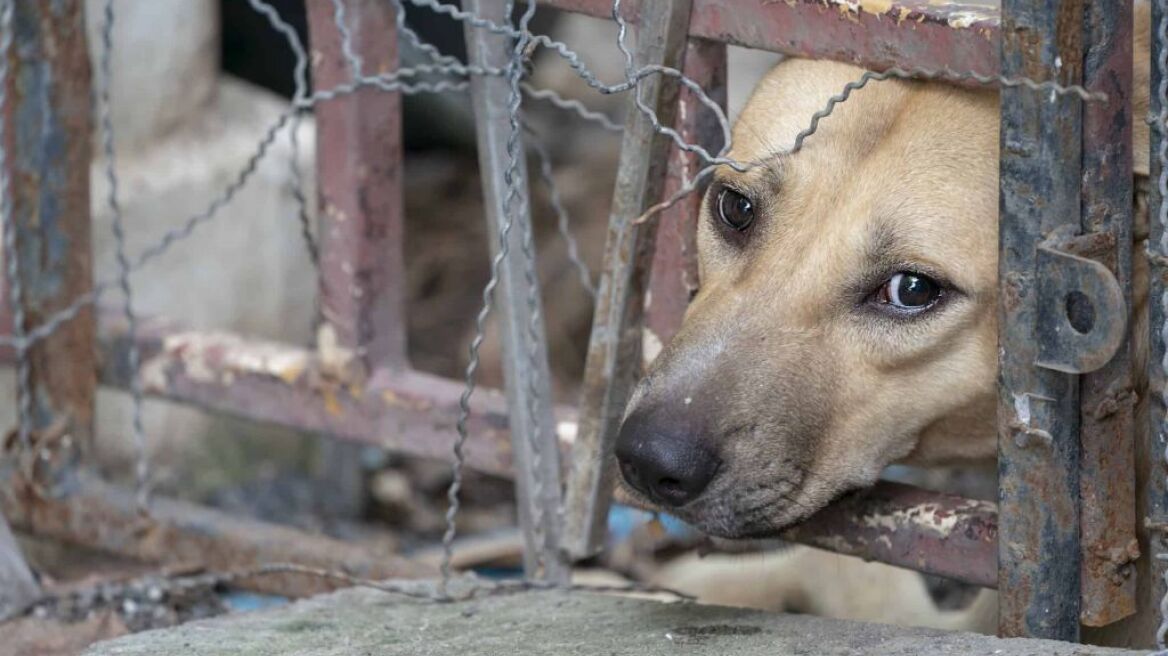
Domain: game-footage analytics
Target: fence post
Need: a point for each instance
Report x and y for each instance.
(674, 276)
(47, 138)
(47, 142)
(1107, 481)
(1038, 411)
(525, 366)
(614, 350)
(359, 169)
(1064, 269)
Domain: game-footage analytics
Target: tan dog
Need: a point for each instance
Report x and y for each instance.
(847, 317)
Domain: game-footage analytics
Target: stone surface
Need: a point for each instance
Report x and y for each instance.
(562, 623)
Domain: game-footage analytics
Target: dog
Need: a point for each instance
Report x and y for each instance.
(847, 316)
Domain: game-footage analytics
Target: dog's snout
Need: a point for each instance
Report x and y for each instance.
(666, 462)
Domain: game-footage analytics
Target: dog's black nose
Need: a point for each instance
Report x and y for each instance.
(665, 461)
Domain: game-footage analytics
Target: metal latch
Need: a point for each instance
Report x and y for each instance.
(1081, 313)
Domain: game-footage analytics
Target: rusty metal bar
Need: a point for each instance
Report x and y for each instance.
(875, 34)
(405, 411)
(359, 169)
(48, 141)
(358, 163)
(673, 279)
(1038, 412)
(414, 413)
(1107, 467)
(897, 524)
(525, 366)
(614, 350)
(105, 517)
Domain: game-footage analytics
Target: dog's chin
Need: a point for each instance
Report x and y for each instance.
(720, 519)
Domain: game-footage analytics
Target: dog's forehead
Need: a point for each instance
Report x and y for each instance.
(928, 118)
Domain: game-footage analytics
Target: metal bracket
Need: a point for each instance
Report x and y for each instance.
(1081, 314)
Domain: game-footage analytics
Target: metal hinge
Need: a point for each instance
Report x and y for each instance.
(1081, 313)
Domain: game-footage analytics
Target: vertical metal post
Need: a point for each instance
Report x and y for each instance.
(1038, 412)
(674, 276)
(525, 367)
(48, 135)
(614, 350)
(47, 140)
(359, 169)
(1107, 468)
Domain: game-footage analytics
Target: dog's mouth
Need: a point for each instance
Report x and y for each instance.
(730, 516)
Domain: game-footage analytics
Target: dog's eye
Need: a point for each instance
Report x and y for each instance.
(734, 209)
(909, 291)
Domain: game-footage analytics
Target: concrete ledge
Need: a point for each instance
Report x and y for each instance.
(561, 623)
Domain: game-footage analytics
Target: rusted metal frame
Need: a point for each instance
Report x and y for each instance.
(1107, 400)
(525, 366)
(909, 33)
(1154, 449)
(906, 526)
(673, 279)
(892, 523)
(414, 413)
(48, 141)
(105, 517)
(359, 171)
(47, 136)
(403, 411)
(1038, 412)
(614, 351)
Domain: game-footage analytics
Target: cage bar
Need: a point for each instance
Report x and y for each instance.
(1107, 485)
(47, 140)
(359, 169)
(673, 279)
(873, 34)
(49, 148)
(525, 366)
(1038, 412)
(614, 350)
(105, 517)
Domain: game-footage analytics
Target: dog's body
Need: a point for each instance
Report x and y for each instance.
(847, 317)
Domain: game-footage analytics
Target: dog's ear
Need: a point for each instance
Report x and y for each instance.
(1141, 78)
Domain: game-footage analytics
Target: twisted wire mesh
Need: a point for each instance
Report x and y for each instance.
(452, 77)
(134, 356)
(1162, 184)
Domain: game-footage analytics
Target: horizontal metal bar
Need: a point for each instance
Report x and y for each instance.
(106, 517)
(876, 35)
(902, 525)
(405, 411)
(414, 413)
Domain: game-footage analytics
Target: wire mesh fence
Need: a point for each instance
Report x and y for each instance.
(497, 77)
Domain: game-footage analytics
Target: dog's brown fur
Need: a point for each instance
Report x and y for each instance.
(803, 387)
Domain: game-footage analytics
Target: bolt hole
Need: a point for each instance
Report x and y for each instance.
(1080, 312)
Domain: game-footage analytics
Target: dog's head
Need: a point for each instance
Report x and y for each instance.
(847, 315)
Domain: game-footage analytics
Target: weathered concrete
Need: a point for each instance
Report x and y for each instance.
(560, 623)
